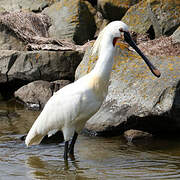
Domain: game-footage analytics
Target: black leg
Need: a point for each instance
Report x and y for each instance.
(66, 150)
(71, 148)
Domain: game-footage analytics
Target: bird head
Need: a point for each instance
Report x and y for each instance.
(115, 30)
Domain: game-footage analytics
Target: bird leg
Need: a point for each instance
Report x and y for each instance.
(71, 148)
(66, 150)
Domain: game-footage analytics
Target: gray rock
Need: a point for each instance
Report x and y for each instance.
(136, 97)
(19, 67)
(9, 40)
(35, 94)
(35, 65)
(71, 20)
(30, 5)
(176, 35)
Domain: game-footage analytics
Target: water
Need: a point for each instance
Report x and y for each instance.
(96, 158)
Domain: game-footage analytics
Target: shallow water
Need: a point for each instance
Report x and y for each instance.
(96, 158)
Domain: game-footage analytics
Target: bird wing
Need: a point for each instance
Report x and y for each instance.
(72, 104)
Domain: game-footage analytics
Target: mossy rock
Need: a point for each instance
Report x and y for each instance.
(114, 9)
(136, 98)
(159, 17)
(72, 20)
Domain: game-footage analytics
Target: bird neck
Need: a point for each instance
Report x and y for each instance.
(104, 63)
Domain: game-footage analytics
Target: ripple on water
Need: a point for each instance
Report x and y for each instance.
(96, 158)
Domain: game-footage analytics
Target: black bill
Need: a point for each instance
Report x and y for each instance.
(129, 40)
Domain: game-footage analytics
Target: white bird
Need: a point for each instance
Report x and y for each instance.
(70, 107)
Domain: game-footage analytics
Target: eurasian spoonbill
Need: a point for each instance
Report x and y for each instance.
(70, 107)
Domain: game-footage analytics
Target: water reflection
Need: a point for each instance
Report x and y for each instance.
(96, 158)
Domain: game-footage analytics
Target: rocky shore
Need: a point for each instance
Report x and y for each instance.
(46, 44)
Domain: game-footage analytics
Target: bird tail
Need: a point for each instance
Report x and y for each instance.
(34, 136)
(33, 139)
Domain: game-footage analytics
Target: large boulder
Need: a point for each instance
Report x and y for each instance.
(158, 18)
(72, 20)
(136, 99)
(20, 67)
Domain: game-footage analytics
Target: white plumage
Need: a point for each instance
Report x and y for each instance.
(70, 107)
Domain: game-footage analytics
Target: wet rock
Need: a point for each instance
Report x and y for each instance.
(114, 9)
(136, 98)
(35, 94)
(71, 20)
(135, 135)
(158, 18)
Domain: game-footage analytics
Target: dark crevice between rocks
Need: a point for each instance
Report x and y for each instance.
(171, 31)
(113, 12)
(93, 2)
(151, 33)
(156, 125)
(11, 62)
(7, 89)
(40, 9)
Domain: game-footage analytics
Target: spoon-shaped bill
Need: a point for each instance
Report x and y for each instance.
(129, 40)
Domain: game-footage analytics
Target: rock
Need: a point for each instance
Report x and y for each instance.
(135, 20)
(163, 46)
(136, 98)
(24, 5)
(158, 18)
(19, 28)
(19, 67)
(71, 20)
(114, 9)
(56, 85)
(176, 35)
(9, 40)
(35, 94)
(136, 135)
(29, 31)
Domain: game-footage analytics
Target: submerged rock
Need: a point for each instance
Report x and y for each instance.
(136, 98)
(136, 135)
